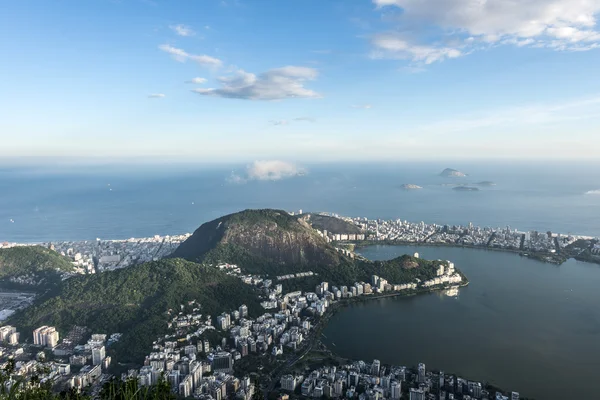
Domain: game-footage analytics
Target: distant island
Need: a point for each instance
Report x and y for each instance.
(410, 186)
(465, 189)
(486, 183)
(452, 173)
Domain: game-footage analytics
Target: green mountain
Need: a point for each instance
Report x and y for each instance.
(331, 224)
(32, 266)
(262, 241)
(275, 243)
(134, 301)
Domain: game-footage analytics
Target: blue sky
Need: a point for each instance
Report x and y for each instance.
(310, 80)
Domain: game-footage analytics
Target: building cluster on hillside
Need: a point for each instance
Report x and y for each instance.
(73, 365)
(374, 381)
(185, 354)
(90, 256)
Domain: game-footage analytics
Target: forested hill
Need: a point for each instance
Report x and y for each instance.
(331, 224)
(33, 266)
(262, 241)
(134, 301)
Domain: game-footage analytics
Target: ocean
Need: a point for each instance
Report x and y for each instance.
(49, 203)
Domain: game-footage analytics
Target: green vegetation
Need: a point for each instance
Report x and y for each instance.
(32, 265)
(262, 241)
(134, 301)
(117, 389)
(20, 388)
(331, 224)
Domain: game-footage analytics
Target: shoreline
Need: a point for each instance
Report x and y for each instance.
(559, 260)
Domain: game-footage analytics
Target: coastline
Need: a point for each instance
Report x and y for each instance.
(557, 259)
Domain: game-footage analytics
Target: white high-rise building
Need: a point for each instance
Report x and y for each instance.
(396, 390)
(243, 311)
(45, 336)
(98, 354)
(288, 382)
(421, 377)
(375, 368)
(417, 394)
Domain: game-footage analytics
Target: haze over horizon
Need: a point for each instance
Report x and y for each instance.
(310, 81)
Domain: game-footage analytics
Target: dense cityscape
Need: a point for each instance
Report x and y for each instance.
(216, 357)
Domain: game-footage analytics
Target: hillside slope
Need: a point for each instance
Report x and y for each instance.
(134, 301)
(33, 266)
(263, 241)
(331, 224)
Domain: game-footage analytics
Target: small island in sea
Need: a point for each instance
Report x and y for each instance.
(452, 173)
(486, 183)
(410, 186)
(465, 188)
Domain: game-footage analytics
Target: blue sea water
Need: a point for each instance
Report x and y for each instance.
(46, 203)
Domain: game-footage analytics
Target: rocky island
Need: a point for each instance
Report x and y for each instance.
(485, 183)
(410, 186)
(465, 189)
(452, 173)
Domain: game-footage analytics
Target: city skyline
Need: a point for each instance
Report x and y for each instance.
(243, 81)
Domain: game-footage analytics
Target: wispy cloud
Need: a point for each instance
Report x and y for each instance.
(156, 96)
(362, 106)
(182, 56)
(267, 170)
(534, 114)
(280, 122)
(197, 81)
(464, 26)
(275, 84)
(182, 30)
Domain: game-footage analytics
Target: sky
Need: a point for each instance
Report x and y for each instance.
(300, 80)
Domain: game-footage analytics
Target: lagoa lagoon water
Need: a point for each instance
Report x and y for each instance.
(520, 324)
(117, 202)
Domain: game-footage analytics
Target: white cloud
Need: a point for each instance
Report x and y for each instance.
(363, 106)
(596, 192)
(267, 170)
(156, 96)
(182, 56)
(395, 46)
(279, 122)
(182, 30)
(197, 81)
(305, 119)
(468, 25)
(275, 84)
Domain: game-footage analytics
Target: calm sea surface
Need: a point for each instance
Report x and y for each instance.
(520, 324)
(115, 202)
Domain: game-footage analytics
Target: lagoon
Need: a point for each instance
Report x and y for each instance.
(521, 324)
